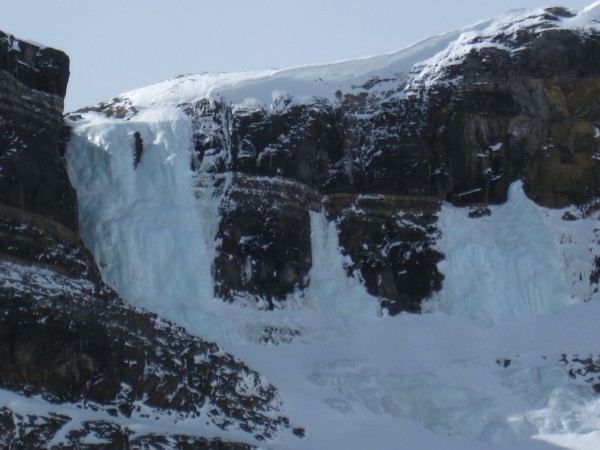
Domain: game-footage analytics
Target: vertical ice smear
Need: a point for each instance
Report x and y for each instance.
(503, 266)
(144, 225)
(331, 290)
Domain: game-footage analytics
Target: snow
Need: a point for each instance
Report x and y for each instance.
(515, 281)
(142, 422)
(421, 63)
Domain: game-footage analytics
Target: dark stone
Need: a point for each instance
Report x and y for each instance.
(264, 235)
(69, 346)
(390, 241)
(595, 274)
(586, 369)
(30, 431)
(529, 114)
(37, 68)
(35, 240)
(36, 431)
(138, 148)
(32, 172)
(503, 362)
(299, 432)
(478, 212)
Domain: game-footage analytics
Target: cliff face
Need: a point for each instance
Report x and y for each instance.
(532, 113)
(65, 337)
(33, 83)
(512, 100)
(246, 193)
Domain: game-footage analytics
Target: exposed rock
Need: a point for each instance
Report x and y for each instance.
(62, 342)
(595, 275)
(33, 82)
(584, 368)
(36, 431)
(29, 431)
(284, 162)
(531, 113)
(569, 216)
(36, 240)
(391, 242)
(504, 362)
(478, 212)
(65, 336)
(138, 148)
(264, 235)
(525, 109)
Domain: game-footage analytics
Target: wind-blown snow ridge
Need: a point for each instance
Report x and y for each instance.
(421, 62)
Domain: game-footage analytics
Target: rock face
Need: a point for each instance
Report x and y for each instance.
(66, 342)
(264, 232)
(515, 100)
(67, 338)
(532, 114)
(287, 163)
(33, 82)
(526, 109)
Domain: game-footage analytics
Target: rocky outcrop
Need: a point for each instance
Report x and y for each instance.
(66, 342)
(33, 82)
(531, 113)
(282, 164)
(383, 156)
(65, 337)
(391, 243)
(264, 235)
(518, 100)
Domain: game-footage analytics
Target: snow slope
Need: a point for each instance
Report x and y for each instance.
(481, 370)
(424, 61)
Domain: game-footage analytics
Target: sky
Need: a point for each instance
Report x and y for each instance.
(119, 45)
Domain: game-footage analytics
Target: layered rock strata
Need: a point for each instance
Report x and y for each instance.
(512, 100)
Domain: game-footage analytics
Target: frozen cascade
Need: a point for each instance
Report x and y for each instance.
(146, 230)
(502, 266)
(151, 229)
(331, 291)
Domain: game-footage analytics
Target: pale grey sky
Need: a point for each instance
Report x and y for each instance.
(119, 45)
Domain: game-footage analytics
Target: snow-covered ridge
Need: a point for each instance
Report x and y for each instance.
(423, 61)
